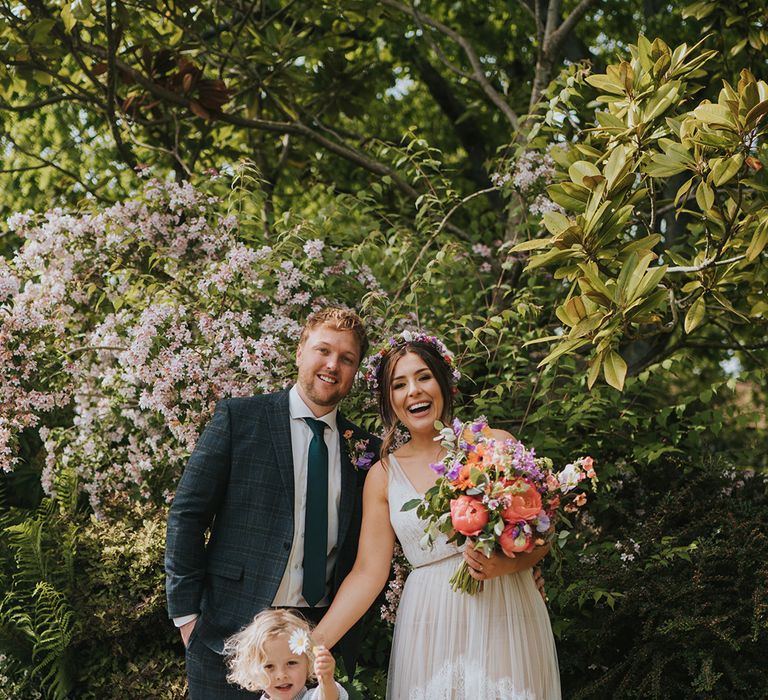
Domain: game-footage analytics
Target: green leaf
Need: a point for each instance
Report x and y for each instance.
(594, 372)
(758, 242)
(569, 196)
(410, 505)
(714, 114)
(81, 9)
(695, 314)
(705, 196)
(68, 17)
(533, 244)
(566, 346)
(606, 83)
(615, 370)
(583, 169)
(723, 169)
(555, 222)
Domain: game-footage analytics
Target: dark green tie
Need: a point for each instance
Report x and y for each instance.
(316, 524)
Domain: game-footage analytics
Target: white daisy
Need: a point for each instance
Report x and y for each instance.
(298, 642)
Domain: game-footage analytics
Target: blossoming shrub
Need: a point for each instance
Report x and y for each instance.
(139, 318)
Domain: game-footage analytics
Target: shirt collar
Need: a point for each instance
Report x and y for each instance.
(299, 410)
(301, 694)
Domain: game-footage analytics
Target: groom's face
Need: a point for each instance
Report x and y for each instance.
(327, 361)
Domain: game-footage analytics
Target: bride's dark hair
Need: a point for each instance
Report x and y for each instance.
(441, 371)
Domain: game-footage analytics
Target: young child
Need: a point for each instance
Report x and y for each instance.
(274, 654)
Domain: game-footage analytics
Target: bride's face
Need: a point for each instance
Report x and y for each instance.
(415, 394)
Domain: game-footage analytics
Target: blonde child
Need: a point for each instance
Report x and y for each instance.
(274, 654)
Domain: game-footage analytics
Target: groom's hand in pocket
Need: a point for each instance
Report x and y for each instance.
(186, 631)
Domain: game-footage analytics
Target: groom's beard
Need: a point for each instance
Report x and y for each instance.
(320, 393)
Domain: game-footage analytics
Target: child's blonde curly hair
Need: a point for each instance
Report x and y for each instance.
(244, 651)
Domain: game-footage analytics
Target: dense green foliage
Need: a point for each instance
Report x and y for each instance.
(597, 260)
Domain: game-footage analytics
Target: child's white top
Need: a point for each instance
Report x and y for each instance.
(314, 694)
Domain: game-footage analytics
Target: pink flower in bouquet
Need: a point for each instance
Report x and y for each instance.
(516, 538)
(587, 463)
(468, 515)
(523, 504)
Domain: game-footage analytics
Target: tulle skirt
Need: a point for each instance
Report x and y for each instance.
(496, 645)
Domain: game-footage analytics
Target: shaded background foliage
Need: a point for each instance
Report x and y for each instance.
(398, 152)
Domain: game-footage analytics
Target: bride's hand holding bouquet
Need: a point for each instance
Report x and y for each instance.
(497, 494)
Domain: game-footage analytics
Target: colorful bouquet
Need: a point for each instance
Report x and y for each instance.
(496, 493)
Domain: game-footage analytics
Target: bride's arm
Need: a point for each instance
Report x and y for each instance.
(372, 565)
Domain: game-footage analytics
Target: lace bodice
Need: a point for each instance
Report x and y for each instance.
(408, 527)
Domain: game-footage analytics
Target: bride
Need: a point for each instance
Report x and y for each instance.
(495, 645)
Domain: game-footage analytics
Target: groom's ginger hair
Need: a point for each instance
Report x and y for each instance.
(339, 319)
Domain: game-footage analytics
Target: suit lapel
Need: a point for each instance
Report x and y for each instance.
(280, 430)
(348, 480)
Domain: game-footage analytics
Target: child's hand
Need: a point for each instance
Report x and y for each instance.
(325, 665)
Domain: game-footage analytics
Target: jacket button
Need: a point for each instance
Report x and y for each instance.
(286, 546)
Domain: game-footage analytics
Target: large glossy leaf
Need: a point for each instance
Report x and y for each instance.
(615, 370)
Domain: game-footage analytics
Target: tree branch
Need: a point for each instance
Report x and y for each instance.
(296, 127)
(478, 73)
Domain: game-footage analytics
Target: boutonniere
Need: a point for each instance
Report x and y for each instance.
(359, 454)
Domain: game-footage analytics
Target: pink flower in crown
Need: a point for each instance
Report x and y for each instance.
(371, 365)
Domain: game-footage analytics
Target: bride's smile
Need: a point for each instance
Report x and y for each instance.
(415, 394)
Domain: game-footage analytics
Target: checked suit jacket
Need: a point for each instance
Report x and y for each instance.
(239, 485)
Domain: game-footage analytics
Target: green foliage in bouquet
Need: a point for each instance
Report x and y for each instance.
(674, 603)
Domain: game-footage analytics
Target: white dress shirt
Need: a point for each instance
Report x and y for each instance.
(289, 592)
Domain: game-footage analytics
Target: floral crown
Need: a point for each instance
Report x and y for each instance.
(373, 363)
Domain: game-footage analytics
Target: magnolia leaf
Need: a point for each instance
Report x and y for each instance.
(594, 371)
(566, 346)
(582, 169)
(533, 244)
(715, 114)
(555, 222)
(641, 244)
(695, 314)
(664, 166)
(631, 288)
(756, 114)
(574, 198)
(551, 256)
(607, 83)
(705, 196)
(586, 325)
(723, 169)
(727, 305)
(629, 267)
(615, 166)
(663, 99)
(81, 9)
(575, 307)
(609, 121)
(650, 281)
(615, 369)
(67, 17)
(758, 242)
(684, 189)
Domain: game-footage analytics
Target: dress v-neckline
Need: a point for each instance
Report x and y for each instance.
(420, 494)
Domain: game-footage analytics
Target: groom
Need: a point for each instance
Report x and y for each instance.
(272, 483)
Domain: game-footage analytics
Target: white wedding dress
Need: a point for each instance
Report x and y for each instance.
(495, 645)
